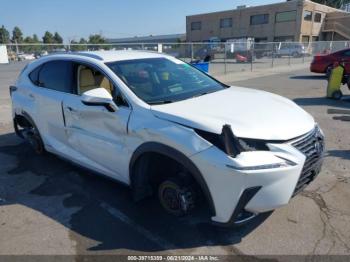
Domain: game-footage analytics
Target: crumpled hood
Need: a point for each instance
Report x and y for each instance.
(251, 114)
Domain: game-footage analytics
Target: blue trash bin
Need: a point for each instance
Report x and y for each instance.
(203, 66)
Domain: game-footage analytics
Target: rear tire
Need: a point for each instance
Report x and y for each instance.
(329, 71)
(337, 95)
(34, 139)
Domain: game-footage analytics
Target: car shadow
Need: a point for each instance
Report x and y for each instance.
(309, 77)
(343, 154)
(342, 118)
(341, 114)
(323, 101)
(103, 210)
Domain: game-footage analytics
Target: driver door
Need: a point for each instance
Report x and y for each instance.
(96, 135)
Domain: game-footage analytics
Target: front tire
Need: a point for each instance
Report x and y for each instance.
(176, 196)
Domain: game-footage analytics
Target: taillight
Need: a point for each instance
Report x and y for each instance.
(318, 58)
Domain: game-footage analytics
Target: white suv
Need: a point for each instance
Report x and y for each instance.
(165, 128)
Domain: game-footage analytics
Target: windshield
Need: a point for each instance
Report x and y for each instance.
(163, 80)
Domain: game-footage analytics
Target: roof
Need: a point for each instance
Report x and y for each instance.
(151, 38)
(112, 56)
(268, 6)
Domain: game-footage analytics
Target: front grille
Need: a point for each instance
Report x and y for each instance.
(312, 146)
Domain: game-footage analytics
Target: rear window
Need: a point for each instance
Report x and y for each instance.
(55, 75)
(347, 53)
(34, 75)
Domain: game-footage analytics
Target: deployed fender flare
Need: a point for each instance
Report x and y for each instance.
(154, 147)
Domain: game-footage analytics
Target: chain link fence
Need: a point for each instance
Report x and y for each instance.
(222, 57)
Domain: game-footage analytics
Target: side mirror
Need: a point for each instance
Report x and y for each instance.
(99, 97)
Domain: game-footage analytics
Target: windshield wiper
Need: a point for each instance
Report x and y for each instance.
(160, 102)
(201, 94)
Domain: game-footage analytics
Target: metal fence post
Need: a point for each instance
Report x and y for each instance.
(289, 57)
(251, 57)
(225, 57)
(192, 52)
(272, 54)
(17, 50)
(303, 57)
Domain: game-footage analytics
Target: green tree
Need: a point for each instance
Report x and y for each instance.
(79, 46)
(4, 35)
(17, 35)
(35, 41)
(48, 38)
(29, 48)
(28, 40)
(36, 38)
(82, 41)
(57, 38)
(96, 40)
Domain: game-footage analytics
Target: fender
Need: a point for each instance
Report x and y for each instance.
(154, 147)
(28, 118)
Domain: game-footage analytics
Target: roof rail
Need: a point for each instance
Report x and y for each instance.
(87, 54)
(79, 53)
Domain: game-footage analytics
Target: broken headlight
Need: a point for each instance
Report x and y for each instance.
(231, 144)
(252, 144)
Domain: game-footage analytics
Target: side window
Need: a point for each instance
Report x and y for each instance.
(34, 76)
(56, 75)
(88, 78)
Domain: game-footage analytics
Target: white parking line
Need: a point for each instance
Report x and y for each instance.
(166, 245)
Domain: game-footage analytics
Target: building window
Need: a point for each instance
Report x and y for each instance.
(286, 16)
(318, 17)
(196, 26)
(307, 15)
(259, 19)
(225, 22)
(260, 39)
(305, 39)
(315, 38)
(284, 38)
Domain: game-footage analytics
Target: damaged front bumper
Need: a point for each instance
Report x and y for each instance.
(253, 182)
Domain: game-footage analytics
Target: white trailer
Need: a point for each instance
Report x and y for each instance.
(239, 45)
(4, 59)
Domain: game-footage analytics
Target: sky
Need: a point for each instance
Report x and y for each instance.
(112, 18)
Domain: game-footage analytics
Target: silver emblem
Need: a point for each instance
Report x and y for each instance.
(318, 147)
(319, 144)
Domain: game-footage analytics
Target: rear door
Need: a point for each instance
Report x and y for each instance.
(54, 85)
(97, 135)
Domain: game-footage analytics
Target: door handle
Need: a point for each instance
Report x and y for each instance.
(31, 96)
(71, 109)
